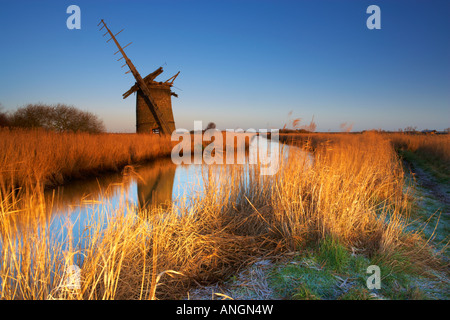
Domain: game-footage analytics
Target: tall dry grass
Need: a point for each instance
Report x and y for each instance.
(30, 156)
(352, 192)
(433, 146)
(431, 152)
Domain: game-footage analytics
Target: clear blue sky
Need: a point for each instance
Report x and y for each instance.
(243, 63)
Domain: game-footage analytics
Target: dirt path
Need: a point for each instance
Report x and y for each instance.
(432, 214)
(427, 182)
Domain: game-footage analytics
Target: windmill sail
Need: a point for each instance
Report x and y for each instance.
(154, 117)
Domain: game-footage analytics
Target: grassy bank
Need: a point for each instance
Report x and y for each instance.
(345, 213)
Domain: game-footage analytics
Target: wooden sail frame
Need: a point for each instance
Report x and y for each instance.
(141, 83)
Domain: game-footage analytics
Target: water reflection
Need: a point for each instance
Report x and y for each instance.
(81, 204)
(140, 186)
(160, 183)
(155, 184)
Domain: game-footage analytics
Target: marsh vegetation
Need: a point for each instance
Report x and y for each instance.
(314, 227)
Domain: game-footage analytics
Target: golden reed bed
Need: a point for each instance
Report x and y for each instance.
(354, 193)
(50, 158)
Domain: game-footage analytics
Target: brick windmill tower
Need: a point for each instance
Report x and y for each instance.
(153, 99)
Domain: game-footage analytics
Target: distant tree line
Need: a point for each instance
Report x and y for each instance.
(59, 117)
(294, 131)
(4, 120)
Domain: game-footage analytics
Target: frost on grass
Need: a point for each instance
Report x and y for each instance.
(249, 284)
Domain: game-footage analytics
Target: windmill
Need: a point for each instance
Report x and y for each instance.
(153, 100)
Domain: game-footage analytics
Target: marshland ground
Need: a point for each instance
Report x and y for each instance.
(307, 232)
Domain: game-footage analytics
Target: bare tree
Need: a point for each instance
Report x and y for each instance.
(4, 118)
(32, 116)
(410, 129)
(58, 117)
